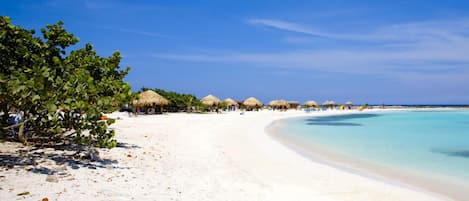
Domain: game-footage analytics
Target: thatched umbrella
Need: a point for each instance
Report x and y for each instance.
(210, 100)
(252, 102)
(311, 104)
(330, 104)
(278, 103)
(273, 103)
(326, 103)
(230, 102)
(148, 98)
(282, 104)
(348, 104)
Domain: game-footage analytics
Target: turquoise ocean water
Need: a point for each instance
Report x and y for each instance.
(432, 143)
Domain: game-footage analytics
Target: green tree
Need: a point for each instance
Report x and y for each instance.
(61, 94)
(178, 101)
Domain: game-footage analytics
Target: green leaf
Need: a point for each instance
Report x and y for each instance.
(51, 108)
(36, 97)
(110, 121)
(18, 89)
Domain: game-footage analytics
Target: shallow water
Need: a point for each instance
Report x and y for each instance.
(431, 143)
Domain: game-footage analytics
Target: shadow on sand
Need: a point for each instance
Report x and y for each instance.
(73, 156)
(127, 146)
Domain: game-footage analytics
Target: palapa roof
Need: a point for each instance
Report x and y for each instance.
(252, 102)
(150, 97)
(311, 103)
(273, 103)
(329, 103)
(210, 100)
(230, 102)
(278, 103)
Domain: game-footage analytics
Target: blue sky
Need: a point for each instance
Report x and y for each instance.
(393, 52)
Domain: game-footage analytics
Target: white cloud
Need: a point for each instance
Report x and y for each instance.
(410, 32)
(143, 33)
(420, 46)
(426, 58)
(287, 26)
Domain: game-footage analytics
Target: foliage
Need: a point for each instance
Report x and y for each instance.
(222, 105)
(178, 101)
(58, 92)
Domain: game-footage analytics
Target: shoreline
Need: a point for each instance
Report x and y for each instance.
(393, 175)
(328, 113)
(195, 157)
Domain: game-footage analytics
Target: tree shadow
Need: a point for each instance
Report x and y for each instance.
(127, 145)
(72, 156)
(456, 153)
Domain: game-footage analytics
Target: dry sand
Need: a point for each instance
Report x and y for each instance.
(189, 157)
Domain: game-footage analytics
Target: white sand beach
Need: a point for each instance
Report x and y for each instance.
(193, 157)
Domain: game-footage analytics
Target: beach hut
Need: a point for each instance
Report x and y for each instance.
(349, 104)
(279, 104)
(329, 104)
(325, 103)
(252, 103)
(273, 103)
(231, 104)
(293, 104)
(148, 100)
(211, 101)
(311, 103)
(333, 104)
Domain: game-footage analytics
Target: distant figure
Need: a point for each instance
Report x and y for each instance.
(16, 118)
(131, 111)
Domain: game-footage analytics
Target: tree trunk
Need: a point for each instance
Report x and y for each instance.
(21, 136)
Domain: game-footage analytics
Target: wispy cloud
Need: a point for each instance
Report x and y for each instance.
(136, 32)
(341, 61)
(304, 29)
(143, 33)
(287, 26)
(424, 47)
(416, 31)
(299, 40)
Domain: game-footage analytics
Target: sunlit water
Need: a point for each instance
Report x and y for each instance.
(435, 143)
